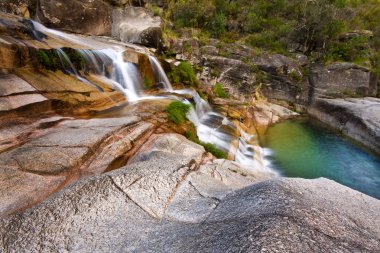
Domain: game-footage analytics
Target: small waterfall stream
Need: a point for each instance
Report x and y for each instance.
(162, 78)
(212, 127)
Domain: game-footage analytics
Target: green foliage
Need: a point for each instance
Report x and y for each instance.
(218, 26)
(49, 59)
(202, 95)
(75, 57)
(148, 83)
(219, 91)
(177, 112)
(280, 25)
(184, 73)
(209, 147)
(355, 50)
(192, 13)
(157, 11)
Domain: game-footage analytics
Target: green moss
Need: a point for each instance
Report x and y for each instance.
(185, 74)
(177, 112)
(148, 83)
(49, 59)
(43, 59)
(219, 91)
(209, 147)
(75, 57)
(214, 150)
(202, 95)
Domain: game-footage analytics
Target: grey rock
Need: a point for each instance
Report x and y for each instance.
(92, 17)
(236, 75)
(12, 85)
(46, 159)
(288, 215)
(169, 143)
(277, 63)
(164, 203)
(137, 25)
(50, 154)
(16, 102)
(19, 189)
(355, 117)
(341, 79)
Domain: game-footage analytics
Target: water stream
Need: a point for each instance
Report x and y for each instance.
(212, 127)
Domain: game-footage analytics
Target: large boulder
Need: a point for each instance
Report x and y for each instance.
(163, 203)
(342, 80)
(92, 17)
(137, 25)
(355, 117)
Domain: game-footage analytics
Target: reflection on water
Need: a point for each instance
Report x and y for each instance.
(304, 148)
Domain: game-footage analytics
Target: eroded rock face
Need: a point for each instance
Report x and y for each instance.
(87, 16)
(355, 117)
(165, 204)
(342, 79)
(137, 25)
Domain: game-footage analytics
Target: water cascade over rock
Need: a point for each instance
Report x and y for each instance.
(120, 69)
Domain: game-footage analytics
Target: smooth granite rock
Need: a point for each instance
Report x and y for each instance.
(165, 202)
(359, 118)
(137, 25)
(44, 155)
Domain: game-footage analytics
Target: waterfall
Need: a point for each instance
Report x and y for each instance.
(108, 62)
(215, 128)
(160, 73)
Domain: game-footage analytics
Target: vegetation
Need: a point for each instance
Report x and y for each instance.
(208, 146)
(219, 91)
(185, 74)
(177, 112)
(75, 57)
(49, 59)
(310, 27)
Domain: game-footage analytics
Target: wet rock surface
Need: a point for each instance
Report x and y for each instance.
(356, 117)
(166, 202)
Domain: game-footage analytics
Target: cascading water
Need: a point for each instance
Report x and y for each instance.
(162, 78)
(212, 127)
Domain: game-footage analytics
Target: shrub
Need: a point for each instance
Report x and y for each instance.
(209, 147)
(184, 73)
(177, 112)
(218, 26)
(355, 49)
(219, 91)
(191, 13)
